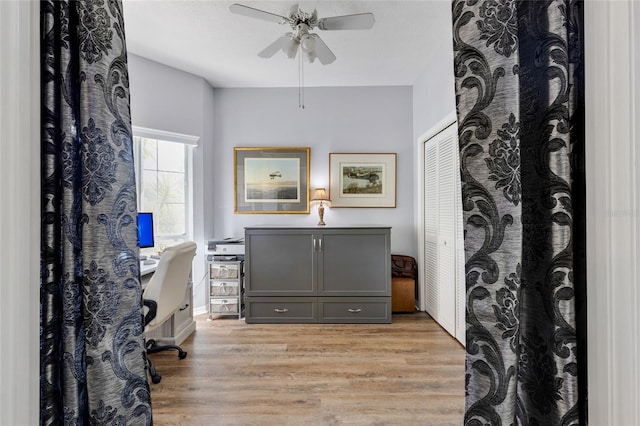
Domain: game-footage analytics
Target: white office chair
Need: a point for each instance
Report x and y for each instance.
(164, 294)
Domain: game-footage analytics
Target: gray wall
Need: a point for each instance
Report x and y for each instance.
(433, 95)
(350, 119)
(164, 98)
(433, 91)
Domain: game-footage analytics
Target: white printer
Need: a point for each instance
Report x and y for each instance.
(225, 249)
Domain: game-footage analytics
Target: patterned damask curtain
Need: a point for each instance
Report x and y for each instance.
(92, 357)
(520, 101)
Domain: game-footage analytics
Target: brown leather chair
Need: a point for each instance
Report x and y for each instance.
(404, 278)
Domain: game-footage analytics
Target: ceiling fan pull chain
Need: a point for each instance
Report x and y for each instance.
(300, 82)
(299, 86)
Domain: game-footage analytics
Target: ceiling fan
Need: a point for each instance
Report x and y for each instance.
(302, 23)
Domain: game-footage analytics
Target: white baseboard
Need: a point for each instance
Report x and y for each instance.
(200, 310)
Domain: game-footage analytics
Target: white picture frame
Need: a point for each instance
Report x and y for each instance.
(360, 180)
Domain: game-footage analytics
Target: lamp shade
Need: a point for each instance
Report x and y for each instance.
(320, 194)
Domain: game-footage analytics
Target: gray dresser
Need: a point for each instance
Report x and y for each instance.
(326, 275)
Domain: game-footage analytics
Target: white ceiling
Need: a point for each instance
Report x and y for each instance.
(204, 38)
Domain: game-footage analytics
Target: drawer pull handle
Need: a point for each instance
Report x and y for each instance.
(355, 311)
(184, 307)
(281, 311)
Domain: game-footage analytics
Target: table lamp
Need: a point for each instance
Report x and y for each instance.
(320, 196)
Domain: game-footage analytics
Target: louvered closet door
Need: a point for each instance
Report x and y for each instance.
(446, 233)
(431, 219)
(443, 245)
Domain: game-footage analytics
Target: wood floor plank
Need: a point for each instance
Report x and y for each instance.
(410, 371)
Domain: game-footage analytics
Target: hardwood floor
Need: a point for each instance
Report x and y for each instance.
(408, 372)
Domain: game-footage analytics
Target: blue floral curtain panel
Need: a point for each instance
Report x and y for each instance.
(92, 358)
(520, 103)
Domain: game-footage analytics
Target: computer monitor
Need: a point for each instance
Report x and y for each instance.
(145, 229)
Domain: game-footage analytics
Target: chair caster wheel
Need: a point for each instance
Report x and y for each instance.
(182, 355)
(156, 378)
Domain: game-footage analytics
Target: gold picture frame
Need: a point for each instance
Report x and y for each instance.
(271, 180)
(362, 179)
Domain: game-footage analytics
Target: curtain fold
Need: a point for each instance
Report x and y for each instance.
(92, 357)
(520, 102)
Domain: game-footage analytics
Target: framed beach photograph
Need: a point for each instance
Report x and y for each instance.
(362, 180)
(271, 180)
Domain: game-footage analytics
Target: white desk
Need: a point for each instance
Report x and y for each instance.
(147, 269)
(181, 324)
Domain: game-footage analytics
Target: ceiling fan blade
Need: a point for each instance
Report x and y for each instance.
(257, 13)
(280, 44)
(360, 21)
(322, 52)
(294, 10)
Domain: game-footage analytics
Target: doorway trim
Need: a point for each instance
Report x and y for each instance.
(613, 214)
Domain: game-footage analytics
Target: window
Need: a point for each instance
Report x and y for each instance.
(163, 185)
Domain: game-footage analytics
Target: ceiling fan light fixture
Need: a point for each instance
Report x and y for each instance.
(307, 43)
(291, 48)
(309, 56)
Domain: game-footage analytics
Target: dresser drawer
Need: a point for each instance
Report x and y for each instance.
(354, 309)
(280, 310)
(182, 317)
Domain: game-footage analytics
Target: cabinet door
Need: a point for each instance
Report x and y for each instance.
(279, 263)
(354, 263)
